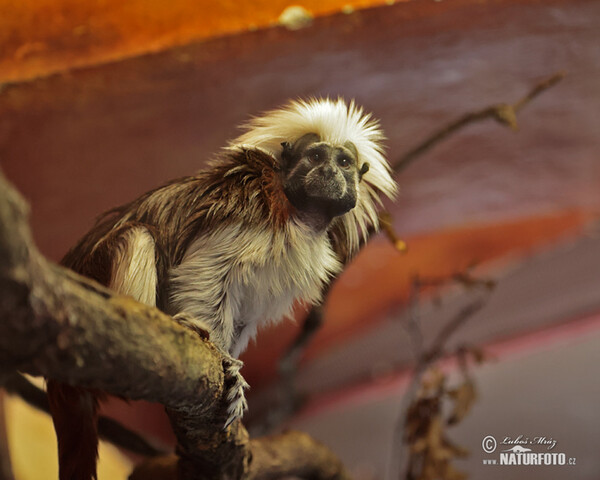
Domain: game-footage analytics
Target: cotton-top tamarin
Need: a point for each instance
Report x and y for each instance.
(268, 224)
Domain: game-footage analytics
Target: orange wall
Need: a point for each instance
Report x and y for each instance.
(39, 37)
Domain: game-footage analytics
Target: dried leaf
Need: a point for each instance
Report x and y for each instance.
(433, 381)
(436, 428)
(429, 472)
(419, 416)
(419, 446)
(479, 356)
(464, 397)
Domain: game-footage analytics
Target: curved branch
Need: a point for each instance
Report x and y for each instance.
(291, 454)
(505, 114)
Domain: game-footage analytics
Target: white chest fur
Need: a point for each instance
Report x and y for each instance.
(236, 278)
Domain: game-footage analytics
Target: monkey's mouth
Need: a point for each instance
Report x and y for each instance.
(330, 199)
(319, 197)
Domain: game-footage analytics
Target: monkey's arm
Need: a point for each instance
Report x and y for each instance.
(133, 269)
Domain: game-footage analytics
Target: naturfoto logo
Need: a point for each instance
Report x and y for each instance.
(520, 453)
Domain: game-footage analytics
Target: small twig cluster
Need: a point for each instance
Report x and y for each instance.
(421, 449)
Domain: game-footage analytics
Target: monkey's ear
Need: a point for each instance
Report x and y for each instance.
(364, 169)
(285, 153)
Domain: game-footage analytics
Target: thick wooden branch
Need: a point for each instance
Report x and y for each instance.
(309, 458)
(58, 324)
(291, 454)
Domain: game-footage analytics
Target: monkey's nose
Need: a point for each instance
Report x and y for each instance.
(328, 172)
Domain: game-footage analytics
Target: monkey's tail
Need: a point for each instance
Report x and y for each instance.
(75, 415)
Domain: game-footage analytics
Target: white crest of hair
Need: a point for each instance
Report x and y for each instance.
(336, 122)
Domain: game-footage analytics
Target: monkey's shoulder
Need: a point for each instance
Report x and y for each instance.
(244, 185)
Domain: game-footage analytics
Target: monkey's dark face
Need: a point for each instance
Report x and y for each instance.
(319, 179)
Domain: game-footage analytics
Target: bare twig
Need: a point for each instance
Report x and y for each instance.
(289, 400)
(387, 227)
(312, 323)
(538, 89)
(436, 350)
(425, 356)
(505, 114)
(115, 433)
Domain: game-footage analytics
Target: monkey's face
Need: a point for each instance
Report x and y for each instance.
(319, 179)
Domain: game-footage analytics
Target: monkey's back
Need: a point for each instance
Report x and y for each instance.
(242, 186)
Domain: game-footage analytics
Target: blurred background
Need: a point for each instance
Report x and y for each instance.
(103, 100)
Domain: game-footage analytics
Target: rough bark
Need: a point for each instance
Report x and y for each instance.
(62, 326)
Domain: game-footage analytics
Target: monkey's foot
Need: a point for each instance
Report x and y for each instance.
(234, 382)
(194, 324)
(235, 391)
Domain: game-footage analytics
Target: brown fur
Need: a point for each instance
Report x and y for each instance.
(246, 186)
(75, 415)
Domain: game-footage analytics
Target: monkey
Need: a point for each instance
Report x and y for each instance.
(266, 225)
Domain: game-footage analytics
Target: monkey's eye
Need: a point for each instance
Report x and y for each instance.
(315, 156)
(344, 162)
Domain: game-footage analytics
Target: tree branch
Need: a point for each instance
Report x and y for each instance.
(309, 459)
(425, 356)
(60, 325)
(505, 114)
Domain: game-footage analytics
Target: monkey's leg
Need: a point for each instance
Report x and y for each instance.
(234, 381)
(75, 416)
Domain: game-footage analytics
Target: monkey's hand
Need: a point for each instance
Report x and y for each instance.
(234, 382)
(235, 385)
